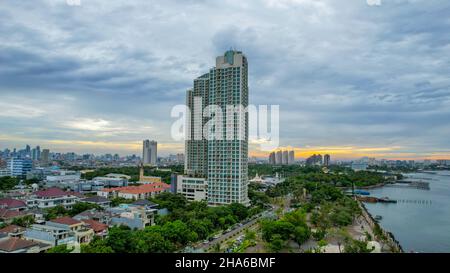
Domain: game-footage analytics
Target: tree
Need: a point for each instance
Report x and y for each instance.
(8, 183)
(55, 212)
(301, 234)
(60, 249)
(119, 239)
(97, 245)
(356, 246)
(239, 210)
(24, 221)
(276, 243)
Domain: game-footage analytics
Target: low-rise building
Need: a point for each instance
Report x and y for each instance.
(193, 188)
(7, 216)
(111, 181)
(17, 245)
(50, 234)
(133, 216)
(13, 231)
(98, 200)
(12, 204)
(52, 197)
(82, 233)
(99, 229)
(135, 192)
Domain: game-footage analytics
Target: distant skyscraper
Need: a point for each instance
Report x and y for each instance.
(291, 157)
(36, 153)
(224, 161)
(45, 156)
(272, 158)
(314, 160)
(285, 157)
(279, 158)
(326, 160)
(149, 152)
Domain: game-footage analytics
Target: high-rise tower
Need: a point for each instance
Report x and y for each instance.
(221, 159)
(149, 152)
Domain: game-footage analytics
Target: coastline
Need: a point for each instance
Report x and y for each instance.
(390, 239)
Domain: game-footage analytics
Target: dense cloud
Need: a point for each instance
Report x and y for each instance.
(104, 75)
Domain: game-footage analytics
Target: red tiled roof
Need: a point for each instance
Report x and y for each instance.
(12, 229)
(95, 225)
(51, 192)
(13, 244)
(10, 203)
(77, 194)
(8, 214)
(66, 220)
(152, 187)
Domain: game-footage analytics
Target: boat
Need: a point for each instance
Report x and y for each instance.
(360, 192)
(378, 217)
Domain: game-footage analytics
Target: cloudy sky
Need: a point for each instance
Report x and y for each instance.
(351, 79)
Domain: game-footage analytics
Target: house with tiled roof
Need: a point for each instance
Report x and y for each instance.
(98, 228)
(135, 192)
(12, 204)
(13, 231)
(8, 216)
(83, 233)
(52, 197)
(17, 245)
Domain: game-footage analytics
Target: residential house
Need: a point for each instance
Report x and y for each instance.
(99, 229)
(52, 197)
(135, 192)
(17, 245)
(133, 216)
(13, 204)
(98, 200)
(50, 234)
(7, 216)
(83, 233)
(13, 231)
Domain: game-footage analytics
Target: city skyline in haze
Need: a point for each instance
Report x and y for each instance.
(351, 79)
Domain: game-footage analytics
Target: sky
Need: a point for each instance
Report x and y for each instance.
(352, 77)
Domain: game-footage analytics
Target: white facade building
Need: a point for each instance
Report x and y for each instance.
(194, 189)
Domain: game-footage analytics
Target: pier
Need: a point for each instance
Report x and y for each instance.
(421, 185)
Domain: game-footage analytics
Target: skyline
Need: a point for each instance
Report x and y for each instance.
(300, 153)
(353, 80)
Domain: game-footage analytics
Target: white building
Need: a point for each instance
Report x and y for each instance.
(194, 189)
(221, 160)
(52, 197)
(62, 178)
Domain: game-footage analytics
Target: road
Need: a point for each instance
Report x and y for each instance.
(232, 233)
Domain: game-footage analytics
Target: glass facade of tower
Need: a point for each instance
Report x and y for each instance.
(223, 161)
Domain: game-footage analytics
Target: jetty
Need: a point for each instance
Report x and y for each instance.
(421, 185)
(370, 199)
